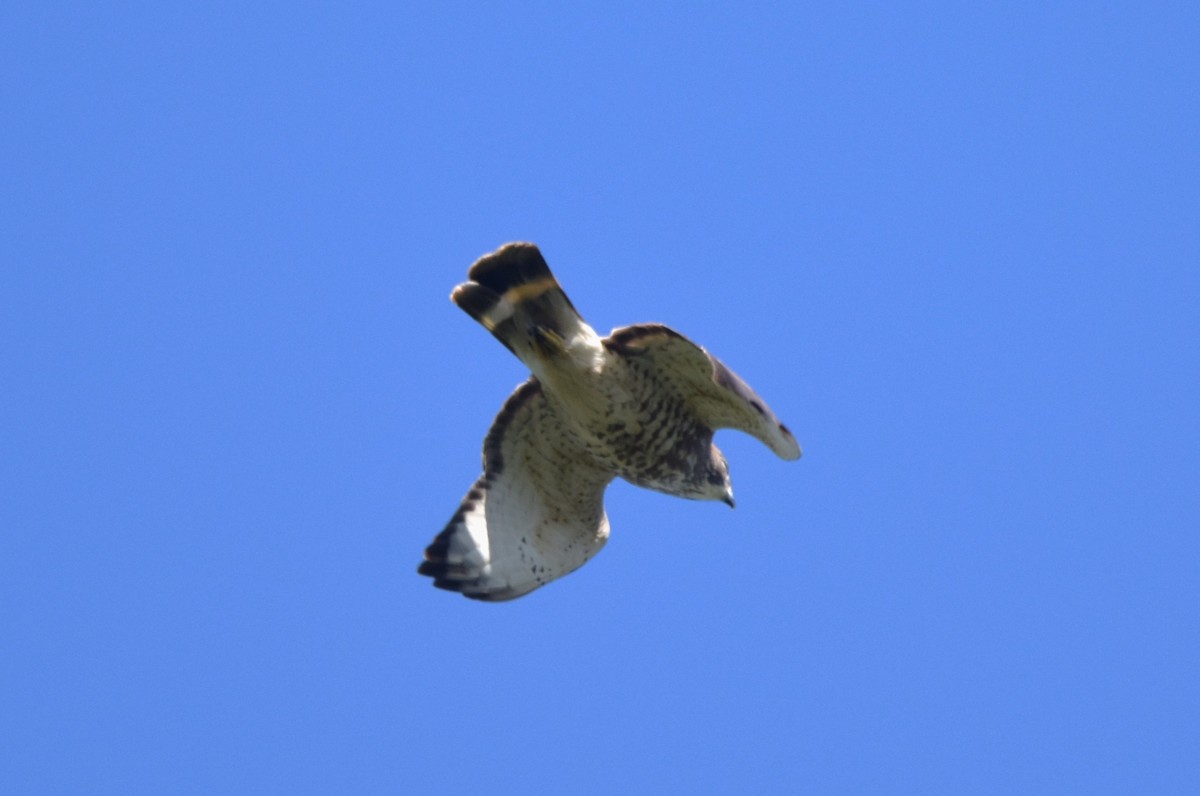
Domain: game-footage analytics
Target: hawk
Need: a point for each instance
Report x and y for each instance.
(641, 404)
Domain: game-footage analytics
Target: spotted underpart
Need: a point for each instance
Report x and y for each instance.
(641, 404)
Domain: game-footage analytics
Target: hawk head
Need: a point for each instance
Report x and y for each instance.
(717, 485)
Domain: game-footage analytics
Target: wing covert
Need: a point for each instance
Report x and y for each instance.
(719, 396)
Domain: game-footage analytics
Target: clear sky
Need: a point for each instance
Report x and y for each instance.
(956, 246)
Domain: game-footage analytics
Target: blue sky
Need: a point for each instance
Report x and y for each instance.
(954, 246)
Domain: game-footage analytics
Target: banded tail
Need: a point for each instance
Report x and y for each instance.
(513, 294)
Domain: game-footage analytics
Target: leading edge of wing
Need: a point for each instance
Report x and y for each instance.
(740, 406)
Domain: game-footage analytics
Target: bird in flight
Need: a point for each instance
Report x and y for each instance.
(641, 404)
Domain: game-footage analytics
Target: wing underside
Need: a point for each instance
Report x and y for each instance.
(720, 398)
(534, 515)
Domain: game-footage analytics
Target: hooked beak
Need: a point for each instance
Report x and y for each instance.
(728, 499)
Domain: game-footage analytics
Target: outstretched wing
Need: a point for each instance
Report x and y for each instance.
(535, 514)
(718, 396)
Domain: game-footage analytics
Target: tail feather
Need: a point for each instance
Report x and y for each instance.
(515, 296)
(517, 267)
(487, 308)
(476, 300)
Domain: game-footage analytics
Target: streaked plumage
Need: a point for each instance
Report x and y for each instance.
(641, 404)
